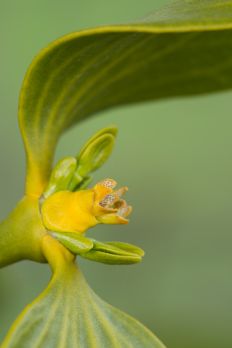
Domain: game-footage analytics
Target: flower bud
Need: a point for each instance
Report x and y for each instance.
(94, 154)
(84, 183)
(111, 253)
(107, 130)
(76, 243)
(116, 253)
(111, 259)
(78, 211)
(61, 176)
(126, 247)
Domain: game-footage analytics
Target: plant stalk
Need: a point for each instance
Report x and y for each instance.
(21, 234)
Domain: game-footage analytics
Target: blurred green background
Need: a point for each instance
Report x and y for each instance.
(174, 155)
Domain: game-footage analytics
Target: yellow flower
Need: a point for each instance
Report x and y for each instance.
(67, 211)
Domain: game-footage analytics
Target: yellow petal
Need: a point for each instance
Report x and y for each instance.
(112, 219)
(69, 211)
(103, 188)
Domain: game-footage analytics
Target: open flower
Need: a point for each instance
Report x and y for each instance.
(67, 211)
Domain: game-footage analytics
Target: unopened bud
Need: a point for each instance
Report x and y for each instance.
(114, 253)
(126, 247)
(75, 242)
(61, 176)
(84, 183)
(94, 154)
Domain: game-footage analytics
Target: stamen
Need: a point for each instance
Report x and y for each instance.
(121, 191)
(109, 183)
(120, 204)
(124, 211)
(107, 201)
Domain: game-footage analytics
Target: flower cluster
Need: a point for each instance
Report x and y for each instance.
(69, 207)
(66, 211)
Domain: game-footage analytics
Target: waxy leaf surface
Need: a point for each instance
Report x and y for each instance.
(181, 50)
(68, 314)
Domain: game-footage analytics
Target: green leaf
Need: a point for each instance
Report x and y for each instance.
(182, 50)
(68, 314)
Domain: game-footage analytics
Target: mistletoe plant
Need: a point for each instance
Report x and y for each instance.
(182, 50)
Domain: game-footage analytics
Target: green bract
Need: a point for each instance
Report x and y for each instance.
(182, 50)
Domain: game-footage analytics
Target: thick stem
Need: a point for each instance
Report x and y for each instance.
(21, 234)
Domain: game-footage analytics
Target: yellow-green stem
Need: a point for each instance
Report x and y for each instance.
(21, 234)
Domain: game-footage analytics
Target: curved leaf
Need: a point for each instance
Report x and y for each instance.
(68, 314)
(184, 49)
